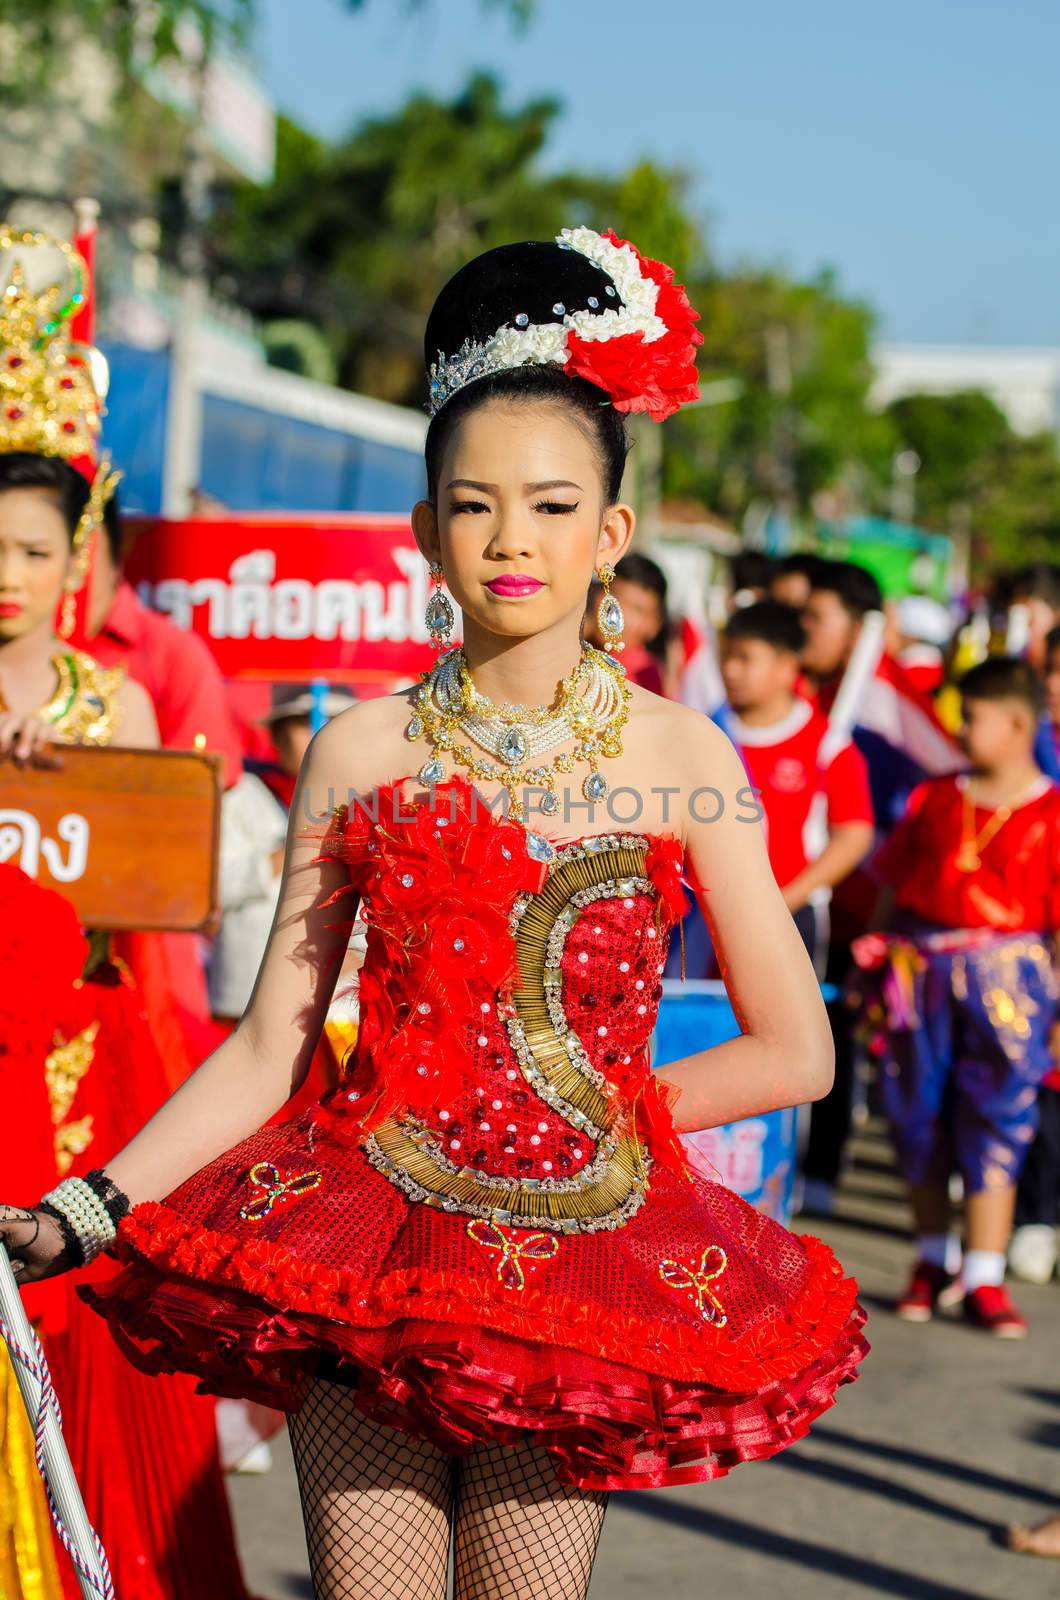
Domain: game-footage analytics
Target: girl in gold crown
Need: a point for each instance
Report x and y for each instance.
(50, 692)
(162, 1513)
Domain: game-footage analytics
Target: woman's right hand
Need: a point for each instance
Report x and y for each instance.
(28, 740)
(34, 1242)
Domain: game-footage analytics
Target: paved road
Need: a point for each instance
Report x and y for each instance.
(899, 1491)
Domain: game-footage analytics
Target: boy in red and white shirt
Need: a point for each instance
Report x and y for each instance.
(813, 789)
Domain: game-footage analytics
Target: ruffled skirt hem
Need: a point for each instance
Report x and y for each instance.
(606, 1425)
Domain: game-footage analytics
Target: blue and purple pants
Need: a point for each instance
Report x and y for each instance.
(965, 1052)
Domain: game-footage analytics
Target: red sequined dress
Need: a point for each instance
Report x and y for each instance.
(489, 1228)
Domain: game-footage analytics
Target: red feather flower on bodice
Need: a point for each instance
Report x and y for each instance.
(437, 884)
(665, 867)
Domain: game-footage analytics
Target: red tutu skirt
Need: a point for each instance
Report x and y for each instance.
(697, 1335)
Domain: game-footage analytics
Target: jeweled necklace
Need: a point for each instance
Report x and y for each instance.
(591, 709)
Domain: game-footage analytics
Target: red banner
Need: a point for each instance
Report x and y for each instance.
(291, 597)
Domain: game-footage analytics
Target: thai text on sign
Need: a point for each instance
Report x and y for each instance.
(293, 596)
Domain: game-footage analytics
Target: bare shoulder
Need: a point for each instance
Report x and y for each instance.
(363, 747)
(685, 769)
(686, 742)
(132, 696)
(138, 725)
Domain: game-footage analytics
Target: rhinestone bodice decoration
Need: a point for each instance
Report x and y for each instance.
(503, 1050)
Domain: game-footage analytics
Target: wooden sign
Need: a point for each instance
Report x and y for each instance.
(129, 836)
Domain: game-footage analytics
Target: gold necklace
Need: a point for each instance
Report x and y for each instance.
(969, 856)
(591, 709)
(83, 708)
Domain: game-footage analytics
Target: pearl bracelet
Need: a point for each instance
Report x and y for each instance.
(88, 1217)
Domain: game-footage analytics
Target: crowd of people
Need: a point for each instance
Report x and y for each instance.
(952, 724)
(918, 846)
(913, 828)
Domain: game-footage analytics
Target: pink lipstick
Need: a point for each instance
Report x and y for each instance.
(514, 585)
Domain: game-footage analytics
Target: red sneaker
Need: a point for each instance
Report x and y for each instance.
(921, 1298)
(991, 1309)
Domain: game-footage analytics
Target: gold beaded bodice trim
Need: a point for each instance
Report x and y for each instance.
(610, 1188)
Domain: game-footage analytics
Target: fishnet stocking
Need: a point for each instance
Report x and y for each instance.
(520, 1535)
(378, 1507)
(377, 1504)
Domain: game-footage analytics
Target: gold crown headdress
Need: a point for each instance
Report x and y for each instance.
(52, 388)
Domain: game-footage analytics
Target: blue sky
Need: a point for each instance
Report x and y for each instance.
(913, 147)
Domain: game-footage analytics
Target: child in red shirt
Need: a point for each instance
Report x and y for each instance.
(968, 995)
(813, 788)
(1033, 1251)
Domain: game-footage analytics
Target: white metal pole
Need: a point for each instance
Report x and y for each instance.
(1018, 632)
(183, 450)
(183, 454)
(34, 1381)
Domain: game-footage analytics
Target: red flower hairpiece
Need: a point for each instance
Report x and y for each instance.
(641, 371)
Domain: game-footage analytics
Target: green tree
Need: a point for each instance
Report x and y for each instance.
(131, 32)
(650, 205)
(128, 33)
(978, 475)
(959, 439)
(360, 236)
(801, 353)
(1017, 518)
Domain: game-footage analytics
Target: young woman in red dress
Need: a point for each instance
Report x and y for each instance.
(480, 1273)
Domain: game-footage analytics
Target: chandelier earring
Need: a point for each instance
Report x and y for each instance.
(609, 618)
(72, 586)
(439, 615)
(104, 483)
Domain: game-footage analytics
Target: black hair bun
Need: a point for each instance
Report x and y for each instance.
(516, 285)
(589, 304)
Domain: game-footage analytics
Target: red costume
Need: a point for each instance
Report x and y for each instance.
(967, 990)
(145, 1452)
(190, 703)
(491, 1226)
(90, 1047)
(1016, 885)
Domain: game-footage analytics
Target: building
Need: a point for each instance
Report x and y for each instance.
(1024, 382)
